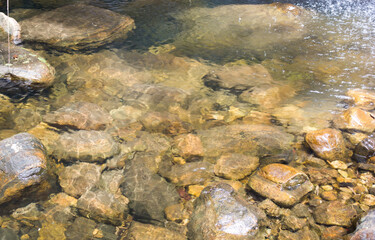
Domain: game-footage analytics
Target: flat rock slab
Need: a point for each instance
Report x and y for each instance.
(247, 28)
(335, 213)
(86, 146)
(23, 164)
(27, 70)
(220, 213)
(76, 179)
(79, 115)
(149, 194)
(140, 231)
(76, 27)
(254, 140)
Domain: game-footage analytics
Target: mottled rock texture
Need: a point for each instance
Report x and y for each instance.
(220, 213)
(76, 27)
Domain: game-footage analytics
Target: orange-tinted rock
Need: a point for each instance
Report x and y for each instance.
(164, 122)
(327, 144)
(281, 183)
(79, 115)
(334, 232)
(23, 166)
(335, 213)
(235, 166)
(362, 98)
(356, 119)
(140, 231)
(189, 146)
(253, 140)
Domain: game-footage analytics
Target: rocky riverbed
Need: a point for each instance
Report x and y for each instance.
(213, 134)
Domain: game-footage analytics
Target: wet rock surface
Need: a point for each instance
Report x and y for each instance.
(219, 213)
(103, 206)
(259, 140)
(83, 26)
(335, 213)
(78, 178)
(23, 166)
(148, 193)
(365, 227)
(28, 70)
(257, 29)
(141, 231)
(189, 173)
(81, 115)
(327, 144)
(87, 146)
(281, 183)
(235, 166)
(364, 99)
(356, 119)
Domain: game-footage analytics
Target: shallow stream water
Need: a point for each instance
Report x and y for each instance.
(177, 43)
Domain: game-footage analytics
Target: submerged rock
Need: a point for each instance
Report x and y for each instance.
(75, 180)
(283, 184)
(76, 27)
(140, 231)
(189, 173)
(27, 70)
(87, 146)
(248, 29)
(235, 166)
(23, 166)
(79, 115)
(365, 150)
(164, 122)
(355, 119)
(335, 213)
(253, 140)
(220, 213)
(327, 144)
(149, 194)
(188, 146)
(365, 227)
(362, 98)
(103, 206)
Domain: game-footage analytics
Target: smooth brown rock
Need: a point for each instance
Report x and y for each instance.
(27, 71)
(79, 115)
(334, 232)
(238, 78)
(189, 173)
(87, 146)
(335, 213)
(78, 178)
(103, 206)
(364, 99)
(23, 166)
(356, 119)
(176, 213)
(140, 231)
(164, 122)
(327, 144)
(235, 166)
(188, 146)
(76, 27)
(365, 150)
(281, 183)
(253, 140)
